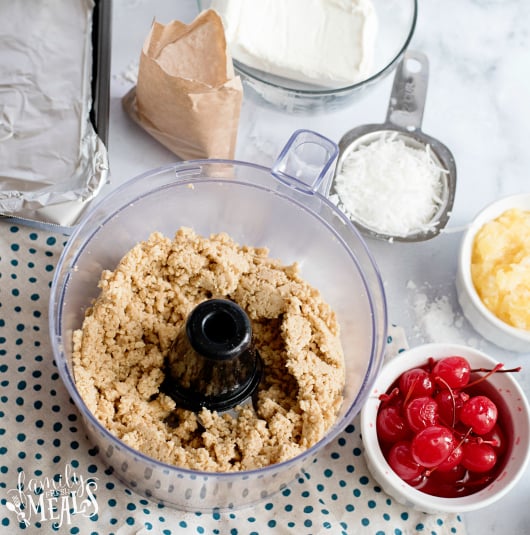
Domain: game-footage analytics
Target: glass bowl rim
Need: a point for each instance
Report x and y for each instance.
(249, 73)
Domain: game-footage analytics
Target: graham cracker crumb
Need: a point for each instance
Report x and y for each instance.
(119, 353)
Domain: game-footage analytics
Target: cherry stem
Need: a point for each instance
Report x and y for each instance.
(495, 369)
(431, 363)
(388, 397)
(511, 370)
(494, 442)
(409, 393)
(429, 471)
(464, 438)
(453, 400)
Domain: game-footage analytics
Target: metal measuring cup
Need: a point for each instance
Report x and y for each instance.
(404, 117)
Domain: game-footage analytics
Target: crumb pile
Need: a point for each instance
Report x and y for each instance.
(120, 350)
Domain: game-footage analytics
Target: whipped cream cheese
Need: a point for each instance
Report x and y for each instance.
(328, 43)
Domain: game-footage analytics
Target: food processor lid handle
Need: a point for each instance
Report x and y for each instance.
(307, 162)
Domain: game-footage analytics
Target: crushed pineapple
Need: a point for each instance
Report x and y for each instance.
(500, 267)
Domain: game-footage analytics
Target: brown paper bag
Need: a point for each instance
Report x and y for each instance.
(187, 96)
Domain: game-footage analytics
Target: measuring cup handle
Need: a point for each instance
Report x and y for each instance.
(409, 92)
(307, 162)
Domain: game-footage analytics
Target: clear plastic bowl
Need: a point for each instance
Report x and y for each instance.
(255, 206)
(396, 26)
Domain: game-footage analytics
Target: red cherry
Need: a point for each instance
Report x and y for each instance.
(449, 405)
(401, 461)
(496, 439)
(478, 457)
(454, 459)
(415, 383)
(421, 412)
(437, 437)
(455, 371)
(433, 445)
(479, 413)
(391, 425)
(454, 475)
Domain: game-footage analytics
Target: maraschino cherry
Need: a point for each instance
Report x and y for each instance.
(439, 430)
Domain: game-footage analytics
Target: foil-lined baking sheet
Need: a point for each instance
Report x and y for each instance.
(52, 160)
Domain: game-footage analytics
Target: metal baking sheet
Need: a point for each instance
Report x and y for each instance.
(54, 79)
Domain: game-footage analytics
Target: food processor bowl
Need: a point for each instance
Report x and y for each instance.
(284, 209)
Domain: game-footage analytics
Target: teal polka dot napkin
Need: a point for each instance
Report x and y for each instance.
(43, 444)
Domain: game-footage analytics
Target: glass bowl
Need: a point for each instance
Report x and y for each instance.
(396, 25)
(273, 208)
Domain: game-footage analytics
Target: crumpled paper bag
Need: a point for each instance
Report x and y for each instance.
(187, 96)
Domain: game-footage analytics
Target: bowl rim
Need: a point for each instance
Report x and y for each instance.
(251, 75)
(391, 369)
(487, 214)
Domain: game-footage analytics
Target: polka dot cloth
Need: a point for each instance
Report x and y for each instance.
(42, 440)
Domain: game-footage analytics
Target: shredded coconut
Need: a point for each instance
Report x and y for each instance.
(435, 319)
(390, 187)
(130, 74)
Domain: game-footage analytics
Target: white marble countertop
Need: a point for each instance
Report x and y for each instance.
(477, 104)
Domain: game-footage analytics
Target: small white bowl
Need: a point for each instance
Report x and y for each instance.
(481, 318)
(515, 409)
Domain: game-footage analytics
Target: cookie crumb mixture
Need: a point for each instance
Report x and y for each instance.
(119, 353)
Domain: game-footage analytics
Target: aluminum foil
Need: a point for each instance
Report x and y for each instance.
(52, 162)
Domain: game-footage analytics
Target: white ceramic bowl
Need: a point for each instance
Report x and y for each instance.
(515, 417)
(481, 318)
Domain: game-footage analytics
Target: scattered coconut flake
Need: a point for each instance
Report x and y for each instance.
(435, 319)
(130, 74)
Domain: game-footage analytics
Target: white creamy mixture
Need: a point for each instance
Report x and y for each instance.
(322, 42)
